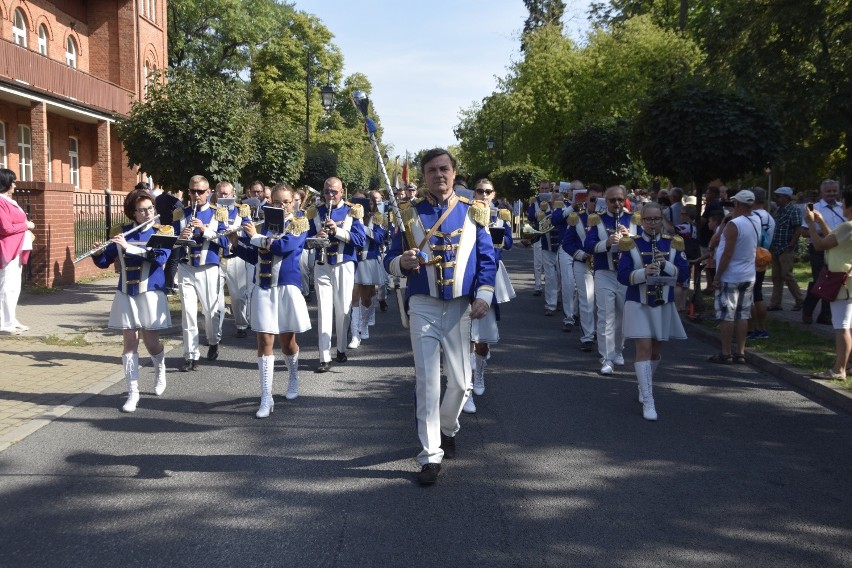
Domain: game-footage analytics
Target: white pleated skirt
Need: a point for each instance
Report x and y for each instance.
(148, 310)
(661, 323)
(370, 272)
(281, 309)
(484, 330)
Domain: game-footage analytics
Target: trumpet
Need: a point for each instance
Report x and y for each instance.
(143, 227)
(656, 295)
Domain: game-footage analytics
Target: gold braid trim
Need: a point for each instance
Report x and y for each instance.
(177, 215)
(573, 219)
(297, 226)
(480, 213)
(594, 220)
(222, 214)
(626, 244)
(311, 212)
(166, 230)
(379, 219)
(504, 215)
(678, 244)
(356, 210)
(244, 210)
(636, 218)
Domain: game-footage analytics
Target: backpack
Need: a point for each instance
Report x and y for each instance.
(763, 239)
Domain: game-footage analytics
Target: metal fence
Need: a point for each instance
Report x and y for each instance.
(95, 215)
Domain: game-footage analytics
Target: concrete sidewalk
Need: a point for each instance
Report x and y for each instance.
(69, 355)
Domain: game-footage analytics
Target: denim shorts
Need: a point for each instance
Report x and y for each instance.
(733, 301)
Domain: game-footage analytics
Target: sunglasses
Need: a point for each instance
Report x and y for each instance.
(485, 191)
(198, 191)
(330, 192)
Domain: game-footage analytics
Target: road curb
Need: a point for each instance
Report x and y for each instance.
(823, 390)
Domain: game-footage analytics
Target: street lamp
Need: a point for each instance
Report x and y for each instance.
(326, 93)
(490, 143)
(768, 171)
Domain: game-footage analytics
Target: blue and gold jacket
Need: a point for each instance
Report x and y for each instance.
(459, 254)
(140, 269)
(276, 255)
(375, 231)
(350, 231)
(636, 253)
(209, 244)
(598, 229)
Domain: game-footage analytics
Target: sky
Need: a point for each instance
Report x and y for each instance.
(428, 60)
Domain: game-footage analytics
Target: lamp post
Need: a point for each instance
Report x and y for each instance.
(768, 171)
(327, 94)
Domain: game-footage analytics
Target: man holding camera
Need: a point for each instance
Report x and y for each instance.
(832, 212)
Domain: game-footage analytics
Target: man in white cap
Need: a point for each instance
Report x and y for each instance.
(735, 274)
(788, 229)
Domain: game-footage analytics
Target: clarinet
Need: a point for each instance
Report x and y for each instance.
(656, 296)
(322, 257)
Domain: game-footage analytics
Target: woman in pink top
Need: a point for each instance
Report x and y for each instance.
(13, 227)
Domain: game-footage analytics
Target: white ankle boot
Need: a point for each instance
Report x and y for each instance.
(131, 375)
(355, 328)
(644, 374)
(479, 375)
(265, 368)
(293, 368)
(365, 321)
(469, 407)
(159, 363)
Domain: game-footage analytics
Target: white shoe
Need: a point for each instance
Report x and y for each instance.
(469, 407)
(355, 343)
(606, 368)
(132, 401)
(159, 362)
(266, 407)
(619, 360)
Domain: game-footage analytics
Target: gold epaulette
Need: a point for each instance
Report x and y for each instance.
(480, 213)
(297, 226)
(544, 206)
(408, 215)
(416, 201)
(245, 210)
(636, 218)
(666, 236)
(573, 219)
(165, 230)
(177, 215)
(558, 203)
(594, 220)
(404, 205)
(540, 215)
(531, 200)
(504, 215)
(678, 244)
(379, 219)
(626, 244)
(356, 210)
(222, 214)
(464, 199)
(311, 212)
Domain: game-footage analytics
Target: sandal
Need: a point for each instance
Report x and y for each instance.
(829, 375)
(721, 358)
(740, 359)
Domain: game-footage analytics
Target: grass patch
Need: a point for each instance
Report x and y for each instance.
(76, 341)
(41, 290)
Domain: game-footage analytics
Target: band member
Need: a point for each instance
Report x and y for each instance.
(535, 214)
(650, 315)
(303, 199)
(369, 273)
(340, 222)
(572, 245)
(277, 304)
(550, 242)
(233, 272)
(140, 306)
(604, 233)
(483, 331)
(564, 262)
(451, 271)
(198, 274)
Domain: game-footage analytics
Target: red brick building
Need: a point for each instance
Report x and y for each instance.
(67, 69)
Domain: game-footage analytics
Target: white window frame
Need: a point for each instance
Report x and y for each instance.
(49, 157)
(19, 28)
(71, 52)
(42, 39)
(25, 153)
(74, 161)
(3, 145)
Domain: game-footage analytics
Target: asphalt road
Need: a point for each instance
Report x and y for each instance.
(557, 468)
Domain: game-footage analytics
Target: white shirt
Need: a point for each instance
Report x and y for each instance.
(833, 215)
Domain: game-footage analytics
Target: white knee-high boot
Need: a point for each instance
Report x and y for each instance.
(131, 375)
(373, 301)
(355, 327)
(265, 368)
(292, 362)
(654, 364)
(159, 363)
(479, 374)
(365, 321)
(644, 374)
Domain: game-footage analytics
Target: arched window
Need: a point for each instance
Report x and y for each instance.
(19, 28)
(71, 53)
(42, 39)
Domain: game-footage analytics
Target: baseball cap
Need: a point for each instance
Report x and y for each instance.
(788, 191)
(744, 196)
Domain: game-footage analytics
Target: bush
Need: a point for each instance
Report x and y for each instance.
(517, 181)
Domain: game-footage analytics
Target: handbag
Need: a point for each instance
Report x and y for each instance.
(828, 284)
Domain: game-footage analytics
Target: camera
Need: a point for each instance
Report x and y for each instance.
(810, 206)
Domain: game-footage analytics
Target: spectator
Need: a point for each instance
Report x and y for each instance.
(837, 245)
(767, 224)
(831, 212)
(788, 229)
(13, 229)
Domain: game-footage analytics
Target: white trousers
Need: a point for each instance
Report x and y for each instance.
(609, 297)
(235, 276)
(10, 291)
(333, 284)
(550, 260)
(585, 283)
(306, 267)
(538, 267)
(199, 284)
(569, 295)
(435, 325)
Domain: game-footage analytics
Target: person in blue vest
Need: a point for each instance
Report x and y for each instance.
(140, 306)
(603, 234)
(650, 314)
(448, 258)
(339, 221)
(198, 278)
(278, 307)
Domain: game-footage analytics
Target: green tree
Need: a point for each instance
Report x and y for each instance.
(278, 154)
(517, 181)
(542, 13)
(188, 126)
(699, 134)
(598, 151)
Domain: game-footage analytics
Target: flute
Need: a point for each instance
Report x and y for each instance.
(142, 227)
